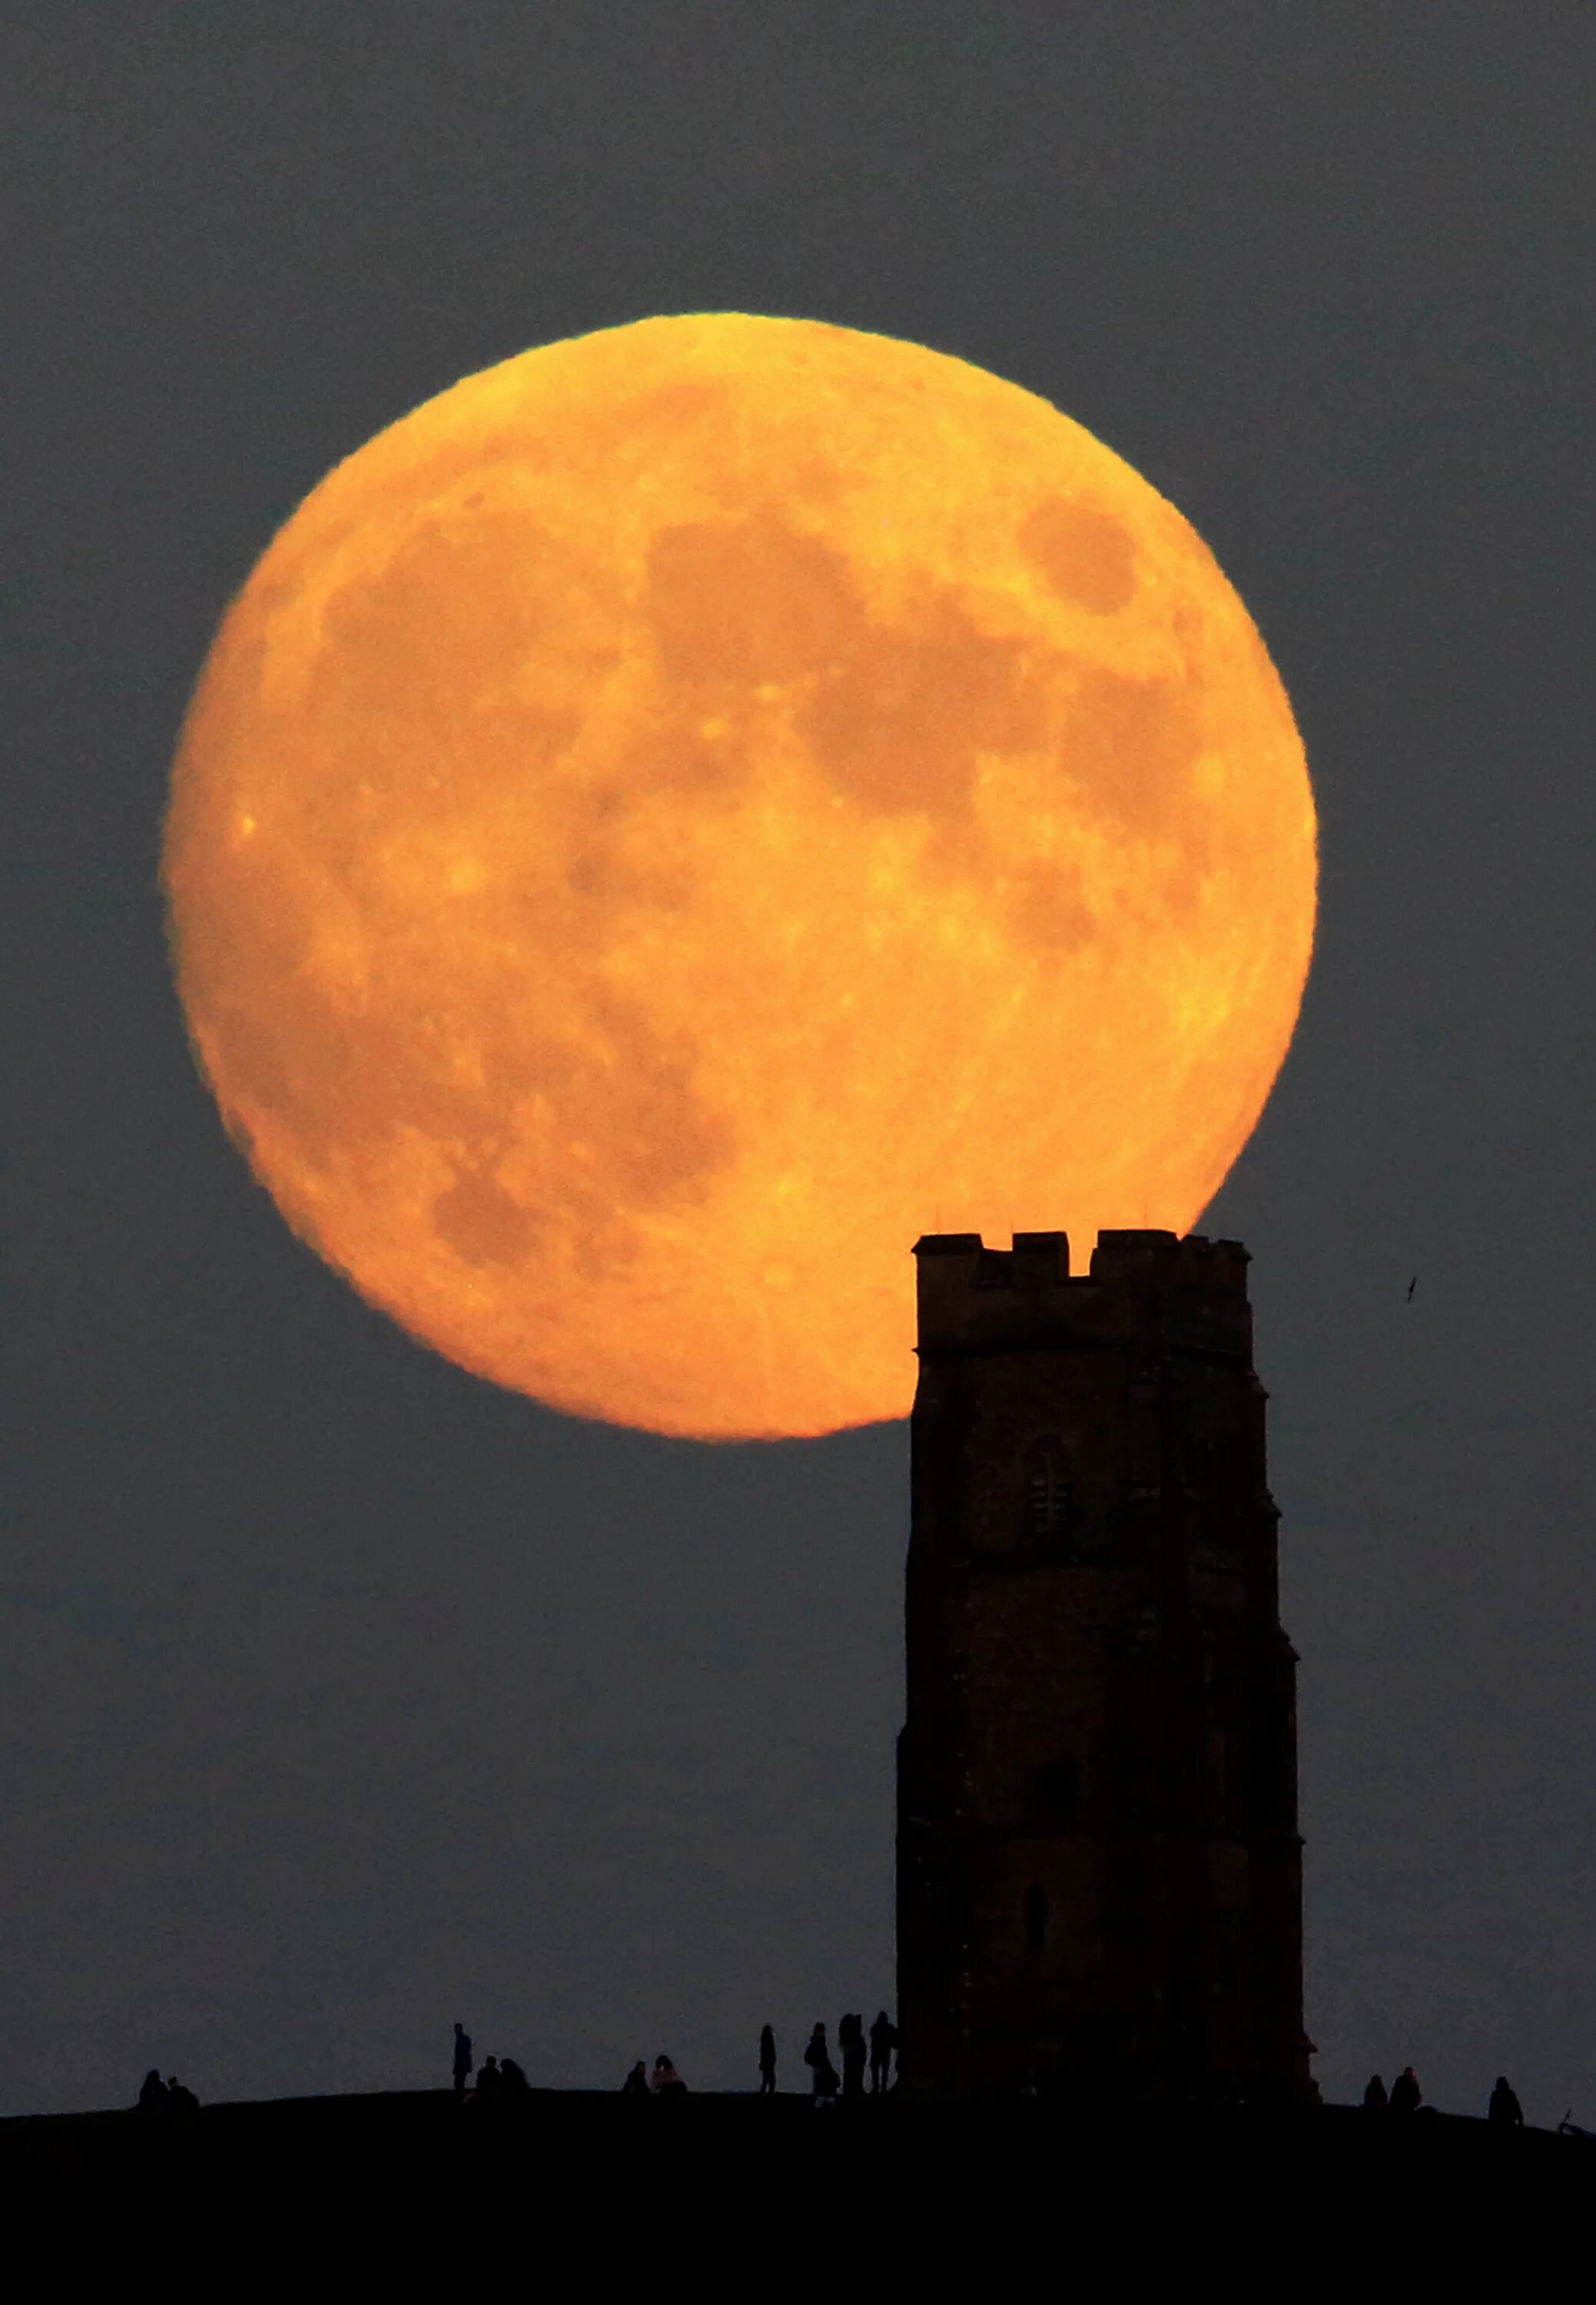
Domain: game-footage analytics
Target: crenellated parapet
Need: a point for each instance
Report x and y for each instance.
(976, 1298)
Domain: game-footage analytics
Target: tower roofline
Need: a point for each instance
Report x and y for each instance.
(1114, 1243)
(970, 1295)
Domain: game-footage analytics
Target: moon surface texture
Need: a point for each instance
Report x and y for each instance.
(695, 806)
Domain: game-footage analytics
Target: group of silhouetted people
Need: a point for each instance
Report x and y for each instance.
(825, 2083)
(500, 2081)
(1405, 2095)
(877, 2050)
(663, 2081)
(169, 2095)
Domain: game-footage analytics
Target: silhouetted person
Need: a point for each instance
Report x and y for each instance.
(823, 2073)
(1505, 2109)
(1375, 2099)
(884, 2040)
(508, 2091)
(488, 2080)
(635, 2083)
(665, 2080)
(178, 2099)
(1406, 2096)
(152, 2093)
(463, 2059)
(851, 2040)
(767, 2061)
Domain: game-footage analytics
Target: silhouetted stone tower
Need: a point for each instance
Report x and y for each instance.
(1099, 1874)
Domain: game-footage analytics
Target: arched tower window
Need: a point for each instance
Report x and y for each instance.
(1049, 1495)
(1035, 1918)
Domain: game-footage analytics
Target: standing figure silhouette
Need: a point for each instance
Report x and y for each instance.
(464, 2060)
(823, 2073)
(884, 2040)
(767, 2061)
(851, 2040)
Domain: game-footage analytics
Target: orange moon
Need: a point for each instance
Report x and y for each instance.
(696, 806)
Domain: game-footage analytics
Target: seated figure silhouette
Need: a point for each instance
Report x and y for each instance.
(1504, 2109)
(489, 2080)
(462, 2058)
(152, 2093)
(178, 2099)
(1375, 2099)
(512, 2079)
(767, 2061)
(665, 2080)
(884, 2040)
(635, 2083)
(1406, 2096)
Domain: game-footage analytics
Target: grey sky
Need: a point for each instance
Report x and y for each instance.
(340, 1695)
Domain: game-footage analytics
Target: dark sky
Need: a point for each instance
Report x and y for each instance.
(342, 1695)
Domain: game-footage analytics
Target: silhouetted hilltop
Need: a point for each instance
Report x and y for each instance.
(1023, 2154)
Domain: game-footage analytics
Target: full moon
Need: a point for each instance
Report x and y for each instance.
(695, 806)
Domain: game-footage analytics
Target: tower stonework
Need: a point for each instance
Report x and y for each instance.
(1099, 1872)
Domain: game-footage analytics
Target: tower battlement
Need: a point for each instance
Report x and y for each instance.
(974, 1298)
